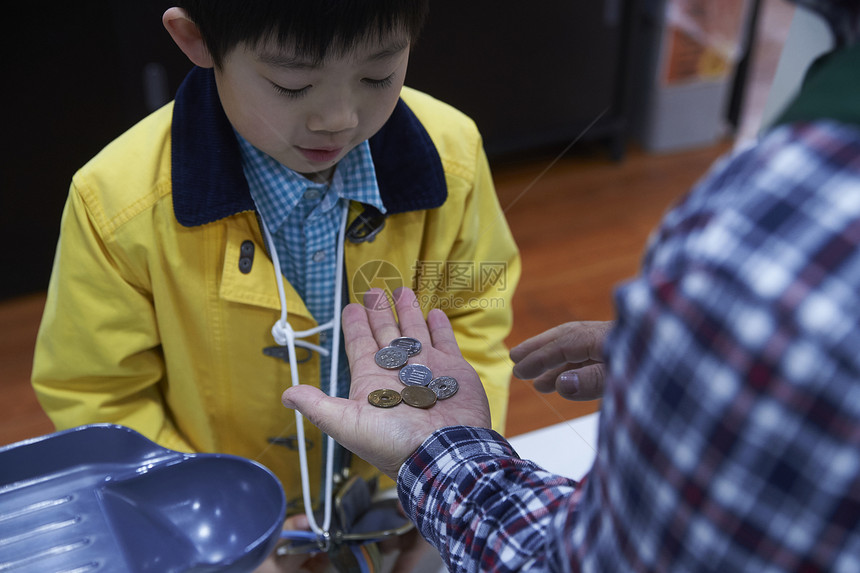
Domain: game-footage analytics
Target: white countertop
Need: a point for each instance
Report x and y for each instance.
(567, 448)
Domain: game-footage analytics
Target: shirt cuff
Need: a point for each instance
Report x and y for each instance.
(443, 453)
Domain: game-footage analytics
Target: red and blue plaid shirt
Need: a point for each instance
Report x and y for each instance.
(730, 429)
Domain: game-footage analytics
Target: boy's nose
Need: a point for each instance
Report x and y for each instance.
(334, 117)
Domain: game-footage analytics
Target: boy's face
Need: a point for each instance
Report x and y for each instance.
(308, 115)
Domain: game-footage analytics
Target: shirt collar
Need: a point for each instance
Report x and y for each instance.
(355, 178)
(208, 179)
(277, 189)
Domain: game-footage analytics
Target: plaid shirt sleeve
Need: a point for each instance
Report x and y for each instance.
(483, 507)
(730, 429)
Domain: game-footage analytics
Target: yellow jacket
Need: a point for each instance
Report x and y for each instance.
(151, 323)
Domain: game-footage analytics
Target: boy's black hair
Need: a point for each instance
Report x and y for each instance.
(314, 28)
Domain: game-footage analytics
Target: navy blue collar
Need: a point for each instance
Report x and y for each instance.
(209, 184)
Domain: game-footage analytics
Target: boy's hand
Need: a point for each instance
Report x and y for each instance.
(386, 437)
(566, 359)
(304, 563)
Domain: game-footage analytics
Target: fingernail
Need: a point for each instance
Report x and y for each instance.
(285, 400)
(569, 382)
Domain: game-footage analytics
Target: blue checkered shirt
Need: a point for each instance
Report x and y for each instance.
(303, 218)
(730, 428)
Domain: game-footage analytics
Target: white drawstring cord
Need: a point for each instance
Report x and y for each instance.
(284, 335)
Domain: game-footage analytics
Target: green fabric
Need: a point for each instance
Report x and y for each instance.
(831, 90)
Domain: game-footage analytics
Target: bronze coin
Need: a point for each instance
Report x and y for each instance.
(384, 398)
(418, 396)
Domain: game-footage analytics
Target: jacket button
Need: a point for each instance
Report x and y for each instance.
(290, 442)
(246, 257)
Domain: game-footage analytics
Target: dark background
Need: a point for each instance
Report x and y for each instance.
(533, 75)
(74, 80)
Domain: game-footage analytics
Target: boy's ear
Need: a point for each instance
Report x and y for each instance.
(187, 36)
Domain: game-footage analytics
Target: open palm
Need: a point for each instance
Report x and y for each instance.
(386, 437)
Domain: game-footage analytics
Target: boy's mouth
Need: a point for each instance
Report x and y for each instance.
(321, 155)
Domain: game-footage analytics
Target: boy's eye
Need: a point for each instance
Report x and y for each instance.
(290, 93)
(297, 93)
(383, 83)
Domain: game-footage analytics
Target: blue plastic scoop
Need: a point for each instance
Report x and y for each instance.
(103, 498)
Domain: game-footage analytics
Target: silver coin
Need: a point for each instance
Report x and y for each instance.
(444, 386)
(391, 357)
(415, 375)
(418, 396)
(411, 345)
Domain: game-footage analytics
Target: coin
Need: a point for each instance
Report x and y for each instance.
(384, 398)
(444, 386)
(418, 396)
(411, 345)
(415, 375)
(391, 357)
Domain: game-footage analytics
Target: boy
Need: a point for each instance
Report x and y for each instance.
(162, 297)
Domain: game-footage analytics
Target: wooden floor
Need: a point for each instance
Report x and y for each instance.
(582, 228)
(581, 224)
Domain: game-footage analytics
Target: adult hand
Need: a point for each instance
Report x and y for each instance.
(386, 437)
(567, 359)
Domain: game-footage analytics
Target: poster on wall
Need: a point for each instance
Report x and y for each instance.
(703, 39)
